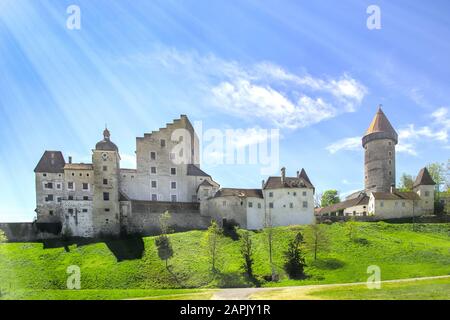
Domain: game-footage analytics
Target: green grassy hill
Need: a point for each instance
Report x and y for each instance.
(134, 264)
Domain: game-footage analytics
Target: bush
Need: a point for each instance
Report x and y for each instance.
(295, 261)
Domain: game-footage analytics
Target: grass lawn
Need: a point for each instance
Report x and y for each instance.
(108, 268)
(436, 289)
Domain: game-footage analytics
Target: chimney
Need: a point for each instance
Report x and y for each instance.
(283, 175)
(392, 188)
(298, 174)
(70, 159)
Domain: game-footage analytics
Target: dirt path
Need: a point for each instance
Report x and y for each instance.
(246, 293)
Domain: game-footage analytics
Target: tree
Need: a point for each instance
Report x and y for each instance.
(164, 223)
(406, 182)
(165, 251)
(268, 229)
(330, 197)
(213, 236)
(2, 236)
(247, 253)
(316, 239)
(351, 229)
(162, 242)
(294, 259)
(439, 174)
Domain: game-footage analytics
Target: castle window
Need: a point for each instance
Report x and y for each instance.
(44, 174)
(427, 193)
(163, 143)
(85, 210)
(259, 205)
(271, 205)
(87, 174)
(48, 185)
(70, 211)
(105, 168)
(153, 170)
(153, 155)
(154, 197)
(85, 186)
(106, 196)
(154, 184)
(50, 212)
(70, 197)
(291, 205)
(173, 171)
(295, 194)
(81, 174)
(270, 194)
(390, 153)
(59, 199)
(304, 193)
(106, 210)
(389, 143)
(73, 174)
(173, 198)
(250, 204)
(70, 185)
(58, 186)
(390, 173)
(305, 204)
(85, 198)
(173, 185)
(49, 198)
(105, 181)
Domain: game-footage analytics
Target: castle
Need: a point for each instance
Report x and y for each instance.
(102, 199)
(380, 198)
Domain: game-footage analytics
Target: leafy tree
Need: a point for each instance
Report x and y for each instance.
(213, 236)
(165, 251)
(294, 259)
(329, 198)
(406, 182)
(247, 253)
(2, 236)
(439, 174)
(316, 239)
(351, 229)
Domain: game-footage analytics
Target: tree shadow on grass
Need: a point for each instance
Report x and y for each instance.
(362, 241)
(129, 248)
(231, 280)
(328, 264)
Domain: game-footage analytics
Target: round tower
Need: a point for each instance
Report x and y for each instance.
(379, 156)
(106, 210)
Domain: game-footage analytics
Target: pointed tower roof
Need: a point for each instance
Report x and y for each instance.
(424, 178)
(380, 128)
(106, 144)
(304, 176)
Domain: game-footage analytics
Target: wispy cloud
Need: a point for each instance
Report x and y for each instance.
(263, 90)
(409, 136)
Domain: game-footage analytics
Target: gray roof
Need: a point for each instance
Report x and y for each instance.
(193, 170)
(289, 182)
(243, 193)
(106, 144)
(396, 195)
(363, 199)
(51, 162)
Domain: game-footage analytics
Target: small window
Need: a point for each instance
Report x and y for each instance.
(304, 193)
(270, 194)
(85, 198)
(70, 211)
(50, 212)
(427, 193)
(105, 181)
(163, 143)
(173, 197)
(259, 205)
(390, 173)
(295, 194)
(173, 171)
(389, 143)
(105, 168)
(106, 196)
(59, 199)
(85, 210)
(49, 198)
(106, 210)
(70, 197)
(70, 185)
(73, 174)
(154, 197)
(291, 205)
(87, 174)
(154, 184)
(44, 174)
(48, 185)
(305, 204)
(152, 155)
(58, 186)
(250, 204)
(173, 185)
(81, 174)
(153, 170)
(271, 205)
(390, 153)
(85, 186)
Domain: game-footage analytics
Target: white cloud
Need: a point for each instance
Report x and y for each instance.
(261, 91)
(351, 144)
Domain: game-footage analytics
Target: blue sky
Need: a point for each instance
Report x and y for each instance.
(312, 70)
